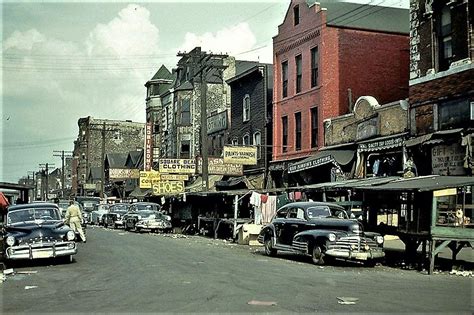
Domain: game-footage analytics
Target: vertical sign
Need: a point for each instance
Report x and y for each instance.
(148, 147)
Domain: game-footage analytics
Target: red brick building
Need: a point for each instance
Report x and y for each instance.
(325, 57)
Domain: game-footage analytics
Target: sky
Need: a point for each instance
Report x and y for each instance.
(65, 60)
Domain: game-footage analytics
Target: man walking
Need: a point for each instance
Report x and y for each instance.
(74, 218)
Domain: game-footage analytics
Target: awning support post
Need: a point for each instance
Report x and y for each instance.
(236, 205)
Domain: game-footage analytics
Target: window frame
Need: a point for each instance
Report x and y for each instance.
(298, 131)
(259, 144)
(299, 73)
(314, 66)
(244, 137)
(188, 111)
(284, 78)
(314, 126)
(246, 108)
(296, 15)
(284, 131)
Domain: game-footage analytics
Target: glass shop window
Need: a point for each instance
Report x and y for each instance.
(454, 207)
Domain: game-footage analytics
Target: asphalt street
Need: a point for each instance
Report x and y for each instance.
(118, 272)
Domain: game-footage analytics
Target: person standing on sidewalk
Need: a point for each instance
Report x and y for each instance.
(74, 218)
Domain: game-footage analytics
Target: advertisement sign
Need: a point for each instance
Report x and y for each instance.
(165, 177)
(148, 147)
(448, 159)
(122, 173)
(240, 155)
(168, 188)
(177, 166)
(89, 186)
(216, 166)
(147, 178)
(217, 122)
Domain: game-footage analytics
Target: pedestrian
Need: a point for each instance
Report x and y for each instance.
(74, 218)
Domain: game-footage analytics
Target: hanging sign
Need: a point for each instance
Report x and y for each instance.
(178, 166)
(245, 155)
(148, 147)
(168, 188)
(216, 166)
(165, 177)
(146, 178)
(123, 173)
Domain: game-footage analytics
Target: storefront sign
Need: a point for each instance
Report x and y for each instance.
(216, 166)
(448, 160)
(217, 122)
(368, 128)
(119, 173)
(178, 166)
(240, 155)
(168, 188)
(304, 165)
(148, 147)
(381, 145)
(445, 192)
(90, 186)
(146, 178)
(178, 177)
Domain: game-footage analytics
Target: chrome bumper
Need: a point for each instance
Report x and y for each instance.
(153, 225)
(41, 250)
(354, 254)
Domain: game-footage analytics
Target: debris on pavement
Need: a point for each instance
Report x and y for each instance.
(8, 271)
(27, 287)
(347, 300)
(264, 303)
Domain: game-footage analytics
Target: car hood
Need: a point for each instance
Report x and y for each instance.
(38, 232)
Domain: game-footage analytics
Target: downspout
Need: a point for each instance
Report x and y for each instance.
(265, 146)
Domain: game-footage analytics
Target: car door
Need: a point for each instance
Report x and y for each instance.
(279, 222)
(294, 224)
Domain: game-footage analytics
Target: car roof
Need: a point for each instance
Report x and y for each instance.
(307, 204)
(33, 205)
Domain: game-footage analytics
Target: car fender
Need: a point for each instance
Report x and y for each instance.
(317, 235)
(268, 230)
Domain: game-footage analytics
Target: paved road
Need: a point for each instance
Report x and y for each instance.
(127, 272)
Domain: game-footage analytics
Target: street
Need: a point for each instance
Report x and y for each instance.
(117, 271)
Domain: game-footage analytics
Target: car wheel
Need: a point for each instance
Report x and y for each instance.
(138, 230)
(269, 250)
(318, 254)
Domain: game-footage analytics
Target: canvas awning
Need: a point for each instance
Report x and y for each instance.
(423, 183)
(342, 157)
(197, 186)
(381, 143)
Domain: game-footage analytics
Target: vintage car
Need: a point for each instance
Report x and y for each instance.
(37, 231)
(137, 211)
(154, 222)
(321, 230)
(114, 218)
(97, 215)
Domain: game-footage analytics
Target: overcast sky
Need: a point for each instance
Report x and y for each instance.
(63, 61)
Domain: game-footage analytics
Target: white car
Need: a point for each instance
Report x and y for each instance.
(96, 216)
(154, 222)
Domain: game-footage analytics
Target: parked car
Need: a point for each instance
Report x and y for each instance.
(154, 222)
(63, 204)
(137, 211)
(87, 204)
(36, 231)
(114, 218)
(322, 231)
(98, 213)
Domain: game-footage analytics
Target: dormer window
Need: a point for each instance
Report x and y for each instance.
(296, 14)
(246, 108)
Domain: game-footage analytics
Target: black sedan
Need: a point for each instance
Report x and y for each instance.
(114, 218)
(321, 230)
(37, 231)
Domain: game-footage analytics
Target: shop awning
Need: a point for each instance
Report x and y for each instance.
(431, 138)
(197, 186)
(382, 143)
(140, 192)
(342, 157)
(423, 183)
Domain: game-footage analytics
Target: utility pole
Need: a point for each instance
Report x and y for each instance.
(62, 156)
(205, 65)
(46, 184)
(102, 173)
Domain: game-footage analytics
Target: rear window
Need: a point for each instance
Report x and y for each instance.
(318, 212)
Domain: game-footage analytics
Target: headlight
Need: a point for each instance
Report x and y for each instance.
(10, 241)
(379, 239)
(332, 237)
(118, 216)
(70, 236)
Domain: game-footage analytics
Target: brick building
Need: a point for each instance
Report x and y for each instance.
(325, 56)
(441, 86)
(116, 136)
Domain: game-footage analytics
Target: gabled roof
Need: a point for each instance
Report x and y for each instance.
(95, 173)
(249, 71)
(116, 160)
(134, 158)
(162, 74)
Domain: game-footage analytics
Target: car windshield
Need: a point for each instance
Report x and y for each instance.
(120, 211)
(32, 215)
(102, 207)
(141, 207)
(146, 213)
(120, 208)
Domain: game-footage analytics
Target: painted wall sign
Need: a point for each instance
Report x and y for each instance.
(445, 192)
(245, 155)
(178, 166)
(146, 178)
(168, 188)
(90, 186)
(380, 145)
(448, 159)
(217, 122)
(148, 147)
(368, 128)
(301, 166)
(122, 173)
(216, 166)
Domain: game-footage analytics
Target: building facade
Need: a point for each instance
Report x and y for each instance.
(326, 55)
(441, 86)
(114, 136)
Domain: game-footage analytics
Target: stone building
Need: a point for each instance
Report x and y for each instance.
(115, 136)
(441, 86)
(327, 54)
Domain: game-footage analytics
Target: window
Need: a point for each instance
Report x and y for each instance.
(314, 127)
(185, 112)
(314, 66)
(282, 213)
(284, 76)
(156, 128)
(299, 73)
(246, 108)
(117, 135)
(445, 38)
(284, 127)
(165, 122)
(150, 90)
(185, 149)
(246, 139)
(454, 114)
(235, 141)
(257, 141)
(298, 131)
(296, 14)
